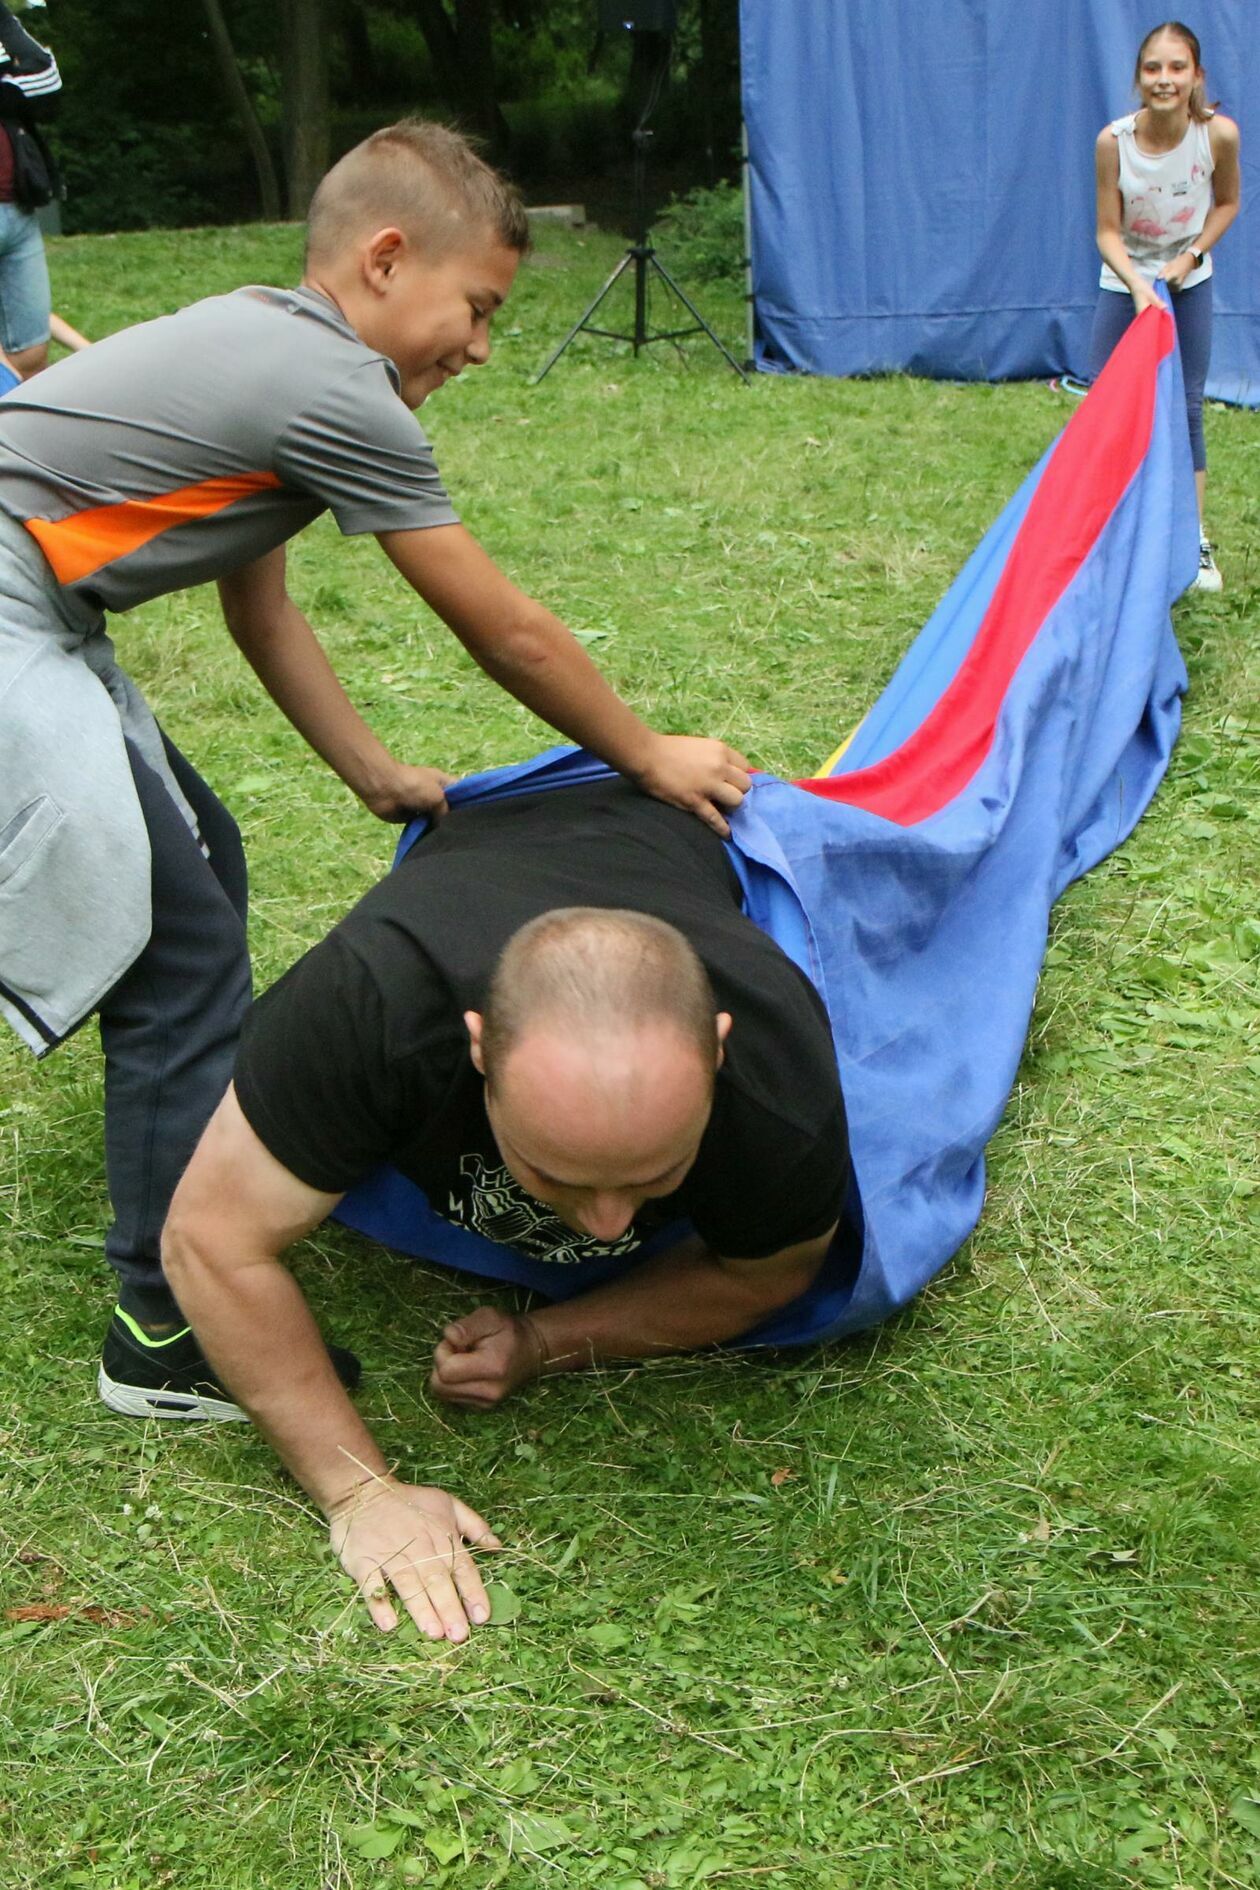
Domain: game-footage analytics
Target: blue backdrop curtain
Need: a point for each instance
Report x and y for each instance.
(921, 181)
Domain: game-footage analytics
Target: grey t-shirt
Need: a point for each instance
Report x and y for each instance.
(176, 451)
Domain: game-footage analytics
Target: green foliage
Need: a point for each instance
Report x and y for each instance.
(164, 176)
(142, 131)
(565, 136)
(998, 1625)
(146, 135)
(701, 234)
(402, 67)
(542, 50)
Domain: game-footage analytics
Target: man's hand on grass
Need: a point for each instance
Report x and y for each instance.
(702, 776)
(410, 1538)
(484, 1357)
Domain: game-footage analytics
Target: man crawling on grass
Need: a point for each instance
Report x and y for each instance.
(555, 1002)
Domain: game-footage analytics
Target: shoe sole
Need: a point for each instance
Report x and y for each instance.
(1210, 587)
(138, 1401)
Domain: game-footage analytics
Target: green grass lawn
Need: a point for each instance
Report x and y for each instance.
(968, 1600)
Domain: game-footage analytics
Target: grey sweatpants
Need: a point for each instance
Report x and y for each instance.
(122, 892)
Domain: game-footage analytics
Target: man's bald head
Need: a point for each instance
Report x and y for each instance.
(422, 179)
(586, 973)
(599, 1045)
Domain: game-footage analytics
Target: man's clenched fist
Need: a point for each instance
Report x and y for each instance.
(484, 1357)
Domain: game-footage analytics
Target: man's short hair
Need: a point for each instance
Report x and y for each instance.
(589, 971)
(425, 179)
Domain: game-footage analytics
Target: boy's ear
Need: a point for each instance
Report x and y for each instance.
(382, 255)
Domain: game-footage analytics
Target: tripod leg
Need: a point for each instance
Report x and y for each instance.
(694, 312)
(585, 317)
(641, 257)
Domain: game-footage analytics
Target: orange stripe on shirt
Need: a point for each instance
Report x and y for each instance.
(77, 546)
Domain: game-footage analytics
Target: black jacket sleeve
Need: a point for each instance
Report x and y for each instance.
(29, 79)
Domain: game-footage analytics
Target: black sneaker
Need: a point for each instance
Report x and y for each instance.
(142, 1376)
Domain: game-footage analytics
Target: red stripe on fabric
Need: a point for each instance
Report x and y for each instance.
(1086, 477)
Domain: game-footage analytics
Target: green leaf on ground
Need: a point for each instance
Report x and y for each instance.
(504, 1604)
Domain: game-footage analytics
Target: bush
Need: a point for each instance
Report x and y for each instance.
(703, 234)
(159, 176)
(560, 136)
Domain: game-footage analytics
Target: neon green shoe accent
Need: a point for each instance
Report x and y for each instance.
(144, 1338)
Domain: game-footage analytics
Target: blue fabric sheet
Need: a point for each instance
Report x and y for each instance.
(926, 939)
(922, 182)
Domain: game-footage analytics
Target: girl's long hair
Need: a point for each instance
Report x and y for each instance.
(1200, 108)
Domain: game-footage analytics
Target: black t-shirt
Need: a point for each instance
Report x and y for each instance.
(359, 1054)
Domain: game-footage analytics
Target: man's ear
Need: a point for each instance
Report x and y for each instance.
(473, 1025)
(724, 1021)
(381, 256)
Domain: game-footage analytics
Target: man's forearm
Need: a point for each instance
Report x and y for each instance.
(258, 1332)
(679, 1301)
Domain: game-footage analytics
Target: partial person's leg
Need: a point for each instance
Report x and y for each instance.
(170, 1025)
(25, 295)
(1112, 314)
(1193, 311)
(169, 1030)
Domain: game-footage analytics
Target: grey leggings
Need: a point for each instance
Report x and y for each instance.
(1192, 309)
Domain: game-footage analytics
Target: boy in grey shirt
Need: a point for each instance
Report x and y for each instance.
(193, 448)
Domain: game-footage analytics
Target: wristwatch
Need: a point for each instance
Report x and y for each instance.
(1198, 258)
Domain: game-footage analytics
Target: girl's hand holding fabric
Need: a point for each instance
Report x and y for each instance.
(1175, 272)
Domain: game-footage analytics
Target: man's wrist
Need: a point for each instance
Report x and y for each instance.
(538, 1339)
(339, 1501)
(554, 1352)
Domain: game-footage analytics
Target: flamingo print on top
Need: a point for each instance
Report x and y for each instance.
(1166, 201)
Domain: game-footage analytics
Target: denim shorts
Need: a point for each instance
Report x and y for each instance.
(25, 297)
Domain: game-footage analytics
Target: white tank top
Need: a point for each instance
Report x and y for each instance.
(1166, 201)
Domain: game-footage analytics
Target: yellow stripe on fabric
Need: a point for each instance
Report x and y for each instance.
(829, 766)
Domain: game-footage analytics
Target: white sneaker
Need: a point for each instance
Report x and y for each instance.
(1209, 578)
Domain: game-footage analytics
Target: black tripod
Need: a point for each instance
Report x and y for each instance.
(642, 258)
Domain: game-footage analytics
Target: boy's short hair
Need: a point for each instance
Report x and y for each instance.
(428, 181)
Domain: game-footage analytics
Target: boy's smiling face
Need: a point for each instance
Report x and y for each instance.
(431, 318)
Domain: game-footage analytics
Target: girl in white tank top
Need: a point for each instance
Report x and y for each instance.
(1168, 189)
(1166, 197)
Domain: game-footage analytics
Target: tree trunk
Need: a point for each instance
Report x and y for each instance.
(707, 80)
(462, 51)
(439, 37)
(473, 30)
(243, 106)
(304, 71)
(362, 77)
